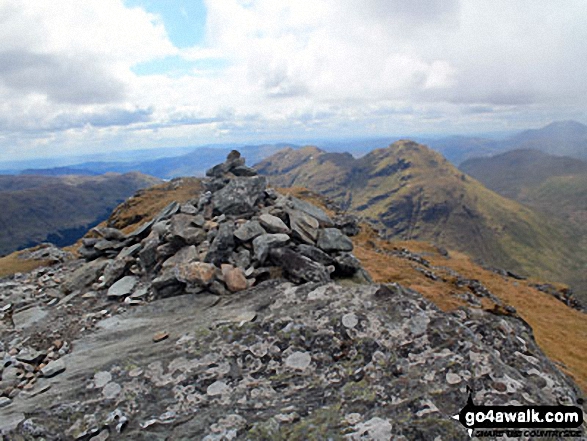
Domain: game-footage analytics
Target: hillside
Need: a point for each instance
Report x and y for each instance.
(39, 209)
(413, 193)
(201, 322)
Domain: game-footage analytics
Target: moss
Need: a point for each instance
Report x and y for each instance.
(359, 391)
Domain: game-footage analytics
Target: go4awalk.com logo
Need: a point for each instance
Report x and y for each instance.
(495, 421)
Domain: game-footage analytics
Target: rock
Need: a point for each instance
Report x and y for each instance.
(110, 233)
(148, 253)
(53, 368)
(241, 258)
(303, 226)
(310, 209)
(196, 273)
(28, 317)
(131, 251)
(272, 224)
(332, 239)
(183, 228)
(348, 224)
(114, 271)
(248, 231)
(243, 170)
(350, 320)
(167, 212)
(167, 284)
(111, 390)
(84, 276)
(239, 196)
(101, 379)
(298, 360)
(316, 254)
(235, 279)
(376, 429)
(217, 388)
(346, 264)
(31, 356)
(124, 287)
(5, 401)
(185, 255)
(188, 209)
(142, 230)
(222, 246)
(299, 268)
(262, 244)
(160, 336)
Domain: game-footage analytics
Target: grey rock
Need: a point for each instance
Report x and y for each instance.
(239, 196)
(310, 209)
(272, 224)
(241, 258)
(263, 243)
(115, 270)
(111, 390)
(222, 246)
(148, 253)
(5, 401)
(298, 360)
(53, 368)
(332, 239)
(183, 227)
(108, 245)
(243, 170)
(142, 230)
(167, 284)
(167, 212)
(299, 268)
(110, 233)
(84, 276)
(31, 356)
(101, 379)
(188, 209)
(303, 226)
(348, 224)
(185, 255)
(124, 287)
(131, 251)
(249, 230)
(316, 254)
(346, 264)
(28, 317)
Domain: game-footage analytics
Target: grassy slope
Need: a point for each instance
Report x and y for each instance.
(55, 205)
(415, 194)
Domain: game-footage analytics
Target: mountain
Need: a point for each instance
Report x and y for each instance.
(202, 322)
(413, 193)
(555, 186)
(563, 138)
(39, 209)
(194, 163)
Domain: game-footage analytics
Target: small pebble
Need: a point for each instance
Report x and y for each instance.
(160, 336)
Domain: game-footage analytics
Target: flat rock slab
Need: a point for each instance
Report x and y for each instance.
(124, 287)
(26, 318)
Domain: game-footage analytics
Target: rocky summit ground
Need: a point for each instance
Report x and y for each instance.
(243, 314)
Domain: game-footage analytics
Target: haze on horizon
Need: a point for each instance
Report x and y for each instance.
(89, 76)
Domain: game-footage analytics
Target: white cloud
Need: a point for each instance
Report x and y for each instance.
(288, 68)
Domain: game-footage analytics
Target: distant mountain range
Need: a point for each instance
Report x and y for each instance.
(39, 209)
(412, 192)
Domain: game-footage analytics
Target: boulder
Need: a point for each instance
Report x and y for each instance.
(184, 229)
(298, 268)
(346, 264)
(84, 276)
(239, 196)
(124, 287)
(303, 226)
(332, 239)
(234, 278)
(196, 273)
(265, 242)
(249, 230)
(272, 224)
(222, 246)
(316, 254)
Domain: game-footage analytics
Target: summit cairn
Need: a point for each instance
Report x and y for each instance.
(237, 234)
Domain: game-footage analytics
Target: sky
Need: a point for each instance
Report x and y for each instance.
(84, 76)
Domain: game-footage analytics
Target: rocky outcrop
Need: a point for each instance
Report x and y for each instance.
(256, 324)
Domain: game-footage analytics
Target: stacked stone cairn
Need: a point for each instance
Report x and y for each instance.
(237, 234)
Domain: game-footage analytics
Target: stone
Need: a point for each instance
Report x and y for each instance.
(183, 228)
(160, 336)
(241, 258)
(101, 379)
(316, 254)
(243, 170)
(222, 246)
(376, 429)
(350, 320)
(184, 255)
(28, 317)
(346, 264)
(53, 368)
(348, 224)
(217, 388)
(31, 356)
(114, 271)
(142, 230)
(249, 231)
(110, 233)
(452, 378)
(198, 273)
(5, 401)
(111, 390)
(299, 268)
(298, 360)
(84, 276)
(308, 208)
(235, 279)
(167, 212)
(188, 209)
(332, 239)
(272, 224)
(148, 253)
(124, 287)
(303, 226)
(263, 243)
(131, 251)
(239, 196)
(167, 284)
